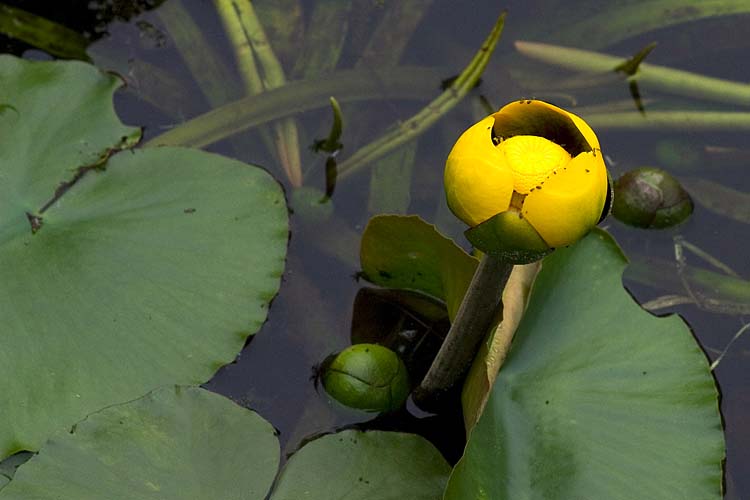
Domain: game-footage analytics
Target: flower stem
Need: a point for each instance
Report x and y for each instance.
(481, 307)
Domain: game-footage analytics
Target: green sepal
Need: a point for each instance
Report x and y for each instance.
(510, 237)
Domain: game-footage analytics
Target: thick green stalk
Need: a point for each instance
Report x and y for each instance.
(481, 308)
(670, 80)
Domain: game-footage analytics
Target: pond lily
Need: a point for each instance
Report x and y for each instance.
(527, 179)
(368, 377)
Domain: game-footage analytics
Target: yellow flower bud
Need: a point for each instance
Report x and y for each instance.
(527, 179)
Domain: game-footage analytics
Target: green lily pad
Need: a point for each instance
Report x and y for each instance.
(178, 443)
(408, 253)
(597, 398)
(151, 272)
(363, 466)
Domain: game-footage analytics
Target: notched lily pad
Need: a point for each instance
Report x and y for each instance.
(178, 443)
(152, 270)
(364, 465)
(597, 397)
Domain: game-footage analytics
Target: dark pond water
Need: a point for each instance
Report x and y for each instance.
(312, 315)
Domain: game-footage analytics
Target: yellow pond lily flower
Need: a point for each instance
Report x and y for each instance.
(530, 177)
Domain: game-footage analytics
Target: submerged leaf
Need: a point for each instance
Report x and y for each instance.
(720, 199)
(390, 181)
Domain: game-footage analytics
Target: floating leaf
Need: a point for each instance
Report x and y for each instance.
(406, 252)
(152, 272)
(597, 398)
(178, 443)
(364, 465)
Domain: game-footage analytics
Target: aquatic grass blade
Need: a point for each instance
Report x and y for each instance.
(419, 123)
(622, 20)
(668, 120)
(407, 83)
(206, 65)
(46, 35)
(649, 76)
(324, 39)
(250, 44)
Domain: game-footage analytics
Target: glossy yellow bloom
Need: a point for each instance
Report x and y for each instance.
(538, 166)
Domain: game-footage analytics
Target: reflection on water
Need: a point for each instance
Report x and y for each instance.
(312, 315)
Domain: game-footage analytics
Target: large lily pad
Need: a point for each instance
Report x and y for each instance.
(178, 443)
(364, 466)
(152, 272)
(597, 398)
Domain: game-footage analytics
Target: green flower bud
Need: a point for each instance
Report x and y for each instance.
(369, 377)
(650, 198)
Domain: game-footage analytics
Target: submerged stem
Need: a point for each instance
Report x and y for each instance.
(481, 307)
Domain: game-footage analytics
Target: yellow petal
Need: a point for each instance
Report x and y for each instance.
(584, 128)
(532, 160)
(478, 181)
(570, 201)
